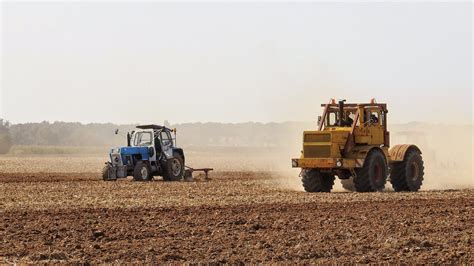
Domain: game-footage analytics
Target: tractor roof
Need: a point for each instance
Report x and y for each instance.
(357, 104)
(151, 127)
(332, 103)
(354, 106)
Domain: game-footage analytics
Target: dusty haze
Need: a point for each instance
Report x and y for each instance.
(240, 147)
(447, 154)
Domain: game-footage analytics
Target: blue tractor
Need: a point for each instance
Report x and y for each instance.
(150, 151)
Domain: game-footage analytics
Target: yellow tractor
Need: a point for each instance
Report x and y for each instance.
(353, 142)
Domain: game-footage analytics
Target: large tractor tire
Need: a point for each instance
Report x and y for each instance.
(315, 181)
(373, 175)
(105, 173)
(408, 175)
(348, 184)
(142, 172)
(174, 168)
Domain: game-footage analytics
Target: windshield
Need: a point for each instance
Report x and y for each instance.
(165, 138)
(142, 139)
(332, 119)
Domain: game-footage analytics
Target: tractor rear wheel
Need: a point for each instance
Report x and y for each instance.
(373, 175)
(174, 168)
(348, 184)
(315, 181)
(408, 175)
(141, 172)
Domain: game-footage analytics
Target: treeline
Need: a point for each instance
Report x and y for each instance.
(65, 134)
(189, 134)
(5, 137)
(435, 140)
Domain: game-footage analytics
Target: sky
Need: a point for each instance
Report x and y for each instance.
(146, 62)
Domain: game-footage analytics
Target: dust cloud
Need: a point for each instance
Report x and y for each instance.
(256, 147)
(447, 152)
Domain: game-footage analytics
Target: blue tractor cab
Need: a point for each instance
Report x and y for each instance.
(150, 152)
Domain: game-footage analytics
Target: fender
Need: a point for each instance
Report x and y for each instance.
(180, 152)
(360, 153)
(397, 152)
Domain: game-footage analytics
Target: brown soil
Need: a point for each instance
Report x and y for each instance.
(235, 217)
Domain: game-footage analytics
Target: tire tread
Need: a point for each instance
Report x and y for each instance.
(398, 172)
(314, 181)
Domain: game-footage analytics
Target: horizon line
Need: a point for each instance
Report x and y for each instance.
(216, 122)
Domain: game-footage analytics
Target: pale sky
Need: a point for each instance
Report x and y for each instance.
(233, 62)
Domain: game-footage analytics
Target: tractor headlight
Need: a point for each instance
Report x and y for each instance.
(116, 159)
(294, 163)
(339, 163)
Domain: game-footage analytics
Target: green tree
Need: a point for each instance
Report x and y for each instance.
(5, 137)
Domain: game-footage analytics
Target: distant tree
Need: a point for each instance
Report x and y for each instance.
(5, 137)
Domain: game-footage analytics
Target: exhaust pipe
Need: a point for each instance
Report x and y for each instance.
(341, 112)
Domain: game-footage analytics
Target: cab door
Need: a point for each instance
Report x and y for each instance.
(146, 139)
(375, 127)
(166, 144)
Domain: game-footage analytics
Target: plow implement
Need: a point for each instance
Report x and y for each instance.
(188, 173)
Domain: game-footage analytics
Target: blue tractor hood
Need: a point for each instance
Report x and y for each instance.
(133, 150)
(128, 153)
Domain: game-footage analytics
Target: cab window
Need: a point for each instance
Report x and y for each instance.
(373, 118)
(350, 116)
(143, 139)
(331, 120)
(165, 138)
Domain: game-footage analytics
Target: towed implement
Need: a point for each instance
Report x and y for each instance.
(151, 151)
(352, 142)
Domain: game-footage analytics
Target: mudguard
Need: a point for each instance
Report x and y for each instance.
(397, 152)
(180, 152)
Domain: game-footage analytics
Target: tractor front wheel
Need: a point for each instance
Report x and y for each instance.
(105, 173)
(141, 172)
(373, 175)
(315, 181)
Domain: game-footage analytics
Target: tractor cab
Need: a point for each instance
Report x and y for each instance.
(344, 116)
(157, 139)
(361, 124)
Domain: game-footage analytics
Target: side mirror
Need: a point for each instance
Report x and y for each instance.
(116, 131)
(319, 120)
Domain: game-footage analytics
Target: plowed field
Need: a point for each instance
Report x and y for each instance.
(69, 215)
